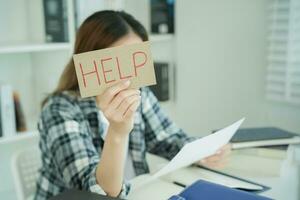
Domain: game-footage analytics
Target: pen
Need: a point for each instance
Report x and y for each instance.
(179, 184)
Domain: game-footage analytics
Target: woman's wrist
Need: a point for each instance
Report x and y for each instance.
(110, 172)
(121, 128)
(116, 136)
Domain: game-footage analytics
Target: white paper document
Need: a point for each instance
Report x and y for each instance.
(199, 149)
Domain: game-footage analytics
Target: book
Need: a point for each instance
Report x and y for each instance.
(19, 114)
(162, 16)
(56, 22)
(262, 137)
(206, 190)
(7, 115)
(161, 89)
(79, 195)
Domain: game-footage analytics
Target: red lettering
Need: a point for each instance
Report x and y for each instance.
(121, 77)
(134, 60)
(106, 71)
(88, 73)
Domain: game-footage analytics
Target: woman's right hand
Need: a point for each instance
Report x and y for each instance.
(119, 104)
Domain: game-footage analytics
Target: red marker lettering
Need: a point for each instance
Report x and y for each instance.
(121, 77)
(106, 71)
(134, 55)
(88, 73)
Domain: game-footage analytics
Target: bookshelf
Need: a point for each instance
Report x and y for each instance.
(31, 48)
(32, 66)
(26, 59)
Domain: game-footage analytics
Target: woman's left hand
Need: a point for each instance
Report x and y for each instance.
(218, 160)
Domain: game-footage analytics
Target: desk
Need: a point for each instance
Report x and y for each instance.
(252, 164)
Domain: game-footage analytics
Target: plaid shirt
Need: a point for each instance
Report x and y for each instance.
(70, 141)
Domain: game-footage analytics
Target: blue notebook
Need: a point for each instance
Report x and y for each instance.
(204, 190)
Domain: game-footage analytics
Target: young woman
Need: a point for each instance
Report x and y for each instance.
(98, 143)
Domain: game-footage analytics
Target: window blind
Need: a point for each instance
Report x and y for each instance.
(283, 71)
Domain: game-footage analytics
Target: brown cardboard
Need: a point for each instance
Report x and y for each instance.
(98, 70)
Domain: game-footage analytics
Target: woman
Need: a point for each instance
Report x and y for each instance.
(98, 143)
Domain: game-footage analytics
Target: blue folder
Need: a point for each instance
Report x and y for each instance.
(204, 190)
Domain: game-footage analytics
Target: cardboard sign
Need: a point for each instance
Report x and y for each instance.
(98, 70)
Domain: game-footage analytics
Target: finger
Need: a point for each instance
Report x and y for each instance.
(226, 147)
(214, 158)
(217, 164)
(126, 103)
(110, 92)
(220, 153)
(132, 109)
(225, 150)
(117, 100)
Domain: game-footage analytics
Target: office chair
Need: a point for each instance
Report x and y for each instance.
(25, 165)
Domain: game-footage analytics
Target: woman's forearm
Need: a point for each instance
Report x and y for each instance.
(118, 104)
(110, 169)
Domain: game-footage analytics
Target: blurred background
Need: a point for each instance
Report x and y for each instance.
(225, 59)
(217, 61)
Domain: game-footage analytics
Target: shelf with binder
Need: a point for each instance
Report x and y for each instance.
(30, 27)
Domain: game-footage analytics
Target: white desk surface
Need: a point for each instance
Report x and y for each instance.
(251, 165)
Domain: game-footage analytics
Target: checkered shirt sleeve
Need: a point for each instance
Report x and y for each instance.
(68, 140)
(162, 136)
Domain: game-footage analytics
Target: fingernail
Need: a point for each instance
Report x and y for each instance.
(219, 152)
(203, 161)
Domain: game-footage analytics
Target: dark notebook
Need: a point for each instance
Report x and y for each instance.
(56, 22)
(269, 136)
(210, 191)
(81, 195)
(161, 89)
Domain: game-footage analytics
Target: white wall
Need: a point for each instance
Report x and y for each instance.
(221, 66)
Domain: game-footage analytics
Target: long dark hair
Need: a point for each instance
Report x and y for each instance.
(98, 31)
